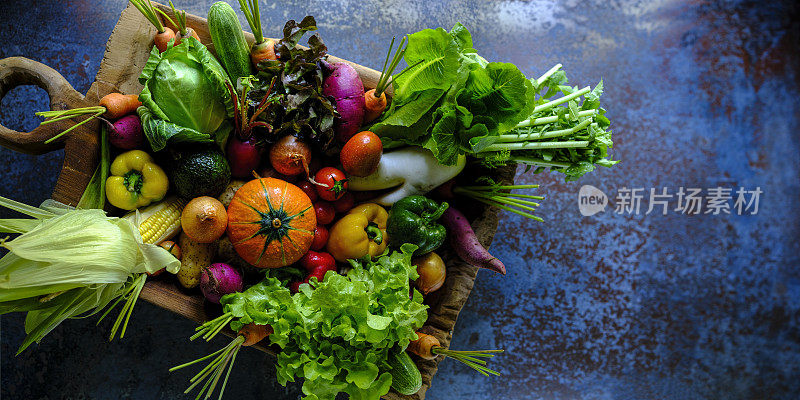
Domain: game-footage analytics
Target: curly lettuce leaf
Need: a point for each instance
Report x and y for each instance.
(337, 334)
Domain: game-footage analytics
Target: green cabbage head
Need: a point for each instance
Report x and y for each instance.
(185, 96)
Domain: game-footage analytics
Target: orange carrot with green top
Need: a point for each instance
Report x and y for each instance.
(165, 34)
(428, 347)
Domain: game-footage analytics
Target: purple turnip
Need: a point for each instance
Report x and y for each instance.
(126, 132)
(347, 90)
(218, 280)
(243, 156)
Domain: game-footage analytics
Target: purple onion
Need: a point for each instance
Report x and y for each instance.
(218, 280)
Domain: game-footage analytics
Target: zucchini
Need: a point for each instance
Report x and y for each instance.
(406, 378)
(228, 38)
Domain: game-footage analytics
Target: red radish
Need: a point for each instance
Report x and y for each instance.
(320, 238)
(361, 154)
(347, 90)
(126, 133)
(309, 189)
(331, 183)
(290, 156)
(345, 203)
(325, 212)
(218, 280)
(243, 156)
(466, 244)
(314, 260)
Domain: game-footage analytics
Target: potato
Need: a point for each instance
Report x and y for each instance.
(227, 195)
(195, 257)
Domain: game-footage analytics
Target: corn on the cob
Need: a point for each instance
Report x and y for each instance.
(160, 221)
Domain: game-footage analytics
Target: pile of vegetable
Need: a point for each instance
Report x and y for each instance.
(310, 209)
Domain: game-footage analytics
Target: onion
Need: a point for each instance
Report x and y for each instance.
(218, 280)
(204, 219)
(290, 156)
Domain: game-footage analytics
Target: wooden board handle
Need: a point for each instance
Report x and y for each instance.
(17, 71)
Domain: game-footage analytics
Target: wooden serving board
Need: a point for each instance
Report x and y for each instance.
(126, 53)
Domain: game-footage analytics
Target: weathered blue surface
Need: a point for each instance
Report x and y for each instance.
(612, 306)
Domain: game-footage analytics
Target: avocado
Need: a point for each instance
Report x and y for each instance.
(200, 171)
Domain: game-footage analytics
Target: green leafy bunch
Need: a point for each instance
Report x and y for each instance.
(337, 334)
(452, 101)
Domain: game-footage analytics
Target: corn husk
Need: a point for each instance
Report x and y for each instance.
(69, 262)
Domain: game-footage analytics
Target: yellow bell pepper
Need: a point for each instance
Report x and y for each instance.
(135, 181)
(359, 233)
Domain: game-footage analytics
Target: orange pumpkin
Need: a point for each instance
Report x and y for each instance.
(271, 222)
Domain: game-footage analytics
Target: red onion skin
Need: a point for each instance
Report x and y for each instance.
(218, 280)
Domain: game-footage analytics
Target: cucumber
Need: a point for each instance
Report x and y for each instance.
(406, 378)
(228, 38)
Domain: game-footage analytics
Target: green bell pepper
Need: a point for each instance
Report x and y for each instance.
(413, 220)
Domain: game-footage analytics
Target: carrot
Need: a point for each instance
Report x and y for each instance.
(428, 348)
(254, 333)
(423, 346)
(112, 105)
(248, 335)
(263, 49)
(162, 39)
(118, 105)
(165, 34)
(183, 30)
(375, 99)
(374, 105)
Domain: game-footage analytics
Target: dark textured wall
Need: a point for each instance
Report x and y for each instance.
(612, 306)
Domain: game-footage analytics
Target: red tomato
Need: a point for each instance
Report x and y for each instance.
(309, 189)
(332, 183)
(325, 212)
(345, 203)
(320, 238)
(361, 154)
(319, 273)
(294, 287)
(314, 260)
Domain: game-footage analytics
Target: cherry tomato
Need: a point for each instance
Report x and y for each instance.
(320, 238)
(345, 203)
(361, 154)
(294, 287)
(309, 189)
(314, 260)
(325, 212)
(332, 183)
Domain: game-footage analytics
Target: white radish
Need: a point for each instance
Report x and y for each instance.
(414, 170)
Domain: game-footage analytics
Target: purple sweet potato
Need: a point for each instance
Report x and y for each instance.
(466, 244)
(347, 90)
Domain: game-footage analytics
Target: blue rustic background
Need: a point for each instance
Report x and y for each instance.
(613, 306)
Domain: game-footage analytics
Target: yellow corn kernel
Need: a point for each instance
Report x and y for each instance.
(161, 221)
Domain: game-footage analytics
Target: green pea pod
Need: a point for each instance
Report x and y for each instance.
(413, 220)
